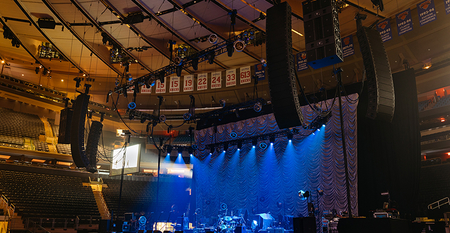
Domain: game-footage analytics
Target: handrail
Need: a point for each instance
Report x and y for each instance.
(438, 204)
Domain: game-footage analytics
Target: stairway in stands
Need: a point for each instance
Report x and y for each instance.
(101, 204)
(49, 137)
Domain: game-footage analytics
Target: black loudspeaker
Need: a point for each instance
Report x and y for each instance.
(322, 33)
(92, 145)
(135, 17)
(46, 23)
(281, 68)
(104, 226)
(305, 225)
(77, 139)
(65, 121)
(378, 72)
(374, 225)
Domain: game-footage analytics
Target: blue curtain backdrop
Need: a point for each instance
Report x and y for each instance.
(268, 180)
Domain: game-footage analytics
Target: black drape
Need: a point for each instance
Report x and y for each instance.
(389, 152)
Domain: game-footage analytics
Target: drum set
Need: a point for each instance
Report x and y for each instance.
(228, 224)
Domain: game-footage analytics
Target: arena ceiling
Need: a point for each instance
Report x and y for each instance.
(82, 26)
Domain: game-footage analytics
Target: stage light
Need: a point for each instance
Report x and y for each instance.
(180, 151)
(272, 139)
(225, 147)
(290, 136)
(239, 145)
(187, 116)
(213, 38)
(191, 150)
(230, 49)
(263, 145)
(233, 134)
(178, 70)
(320, 192)
(254, 142)
(303, 195)
(257, 107)
(239, 45)
(222, 103)
(169, 149)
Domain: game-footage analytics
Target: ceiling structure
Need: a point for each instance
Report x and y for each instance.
(83, 26)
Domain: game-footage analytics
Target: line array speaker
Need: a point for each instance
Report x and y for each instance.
(65, 121)
(92, 145)
(378, 72)
(77, 139)
(281, 68)
(304, 225)
(322, 33)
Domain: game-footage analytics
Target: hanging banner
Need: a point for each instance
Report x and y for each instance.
(348, 48)
(216, 80)
(426, 11)
(230, 76)
(260, 71)
(202, 82)
(145, 90)
(130, 90)
(245, 75)
(447, 6)
(188, 83)
(301, 61)
(174, 84)
(404, 22)
(160, 87)
(384, 27)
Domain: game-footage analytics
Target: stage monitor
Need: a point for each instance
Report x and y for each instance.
(132, 157)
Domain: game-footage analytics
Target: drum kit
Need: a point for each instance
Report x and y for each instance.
(228, 224)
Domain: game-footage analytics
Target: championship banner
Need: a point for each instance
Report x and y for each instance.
(216, 80)
(245, 75)
(145, 90)
(447, 6)
(260, 71)
(384, 27)
(160, 87)
(348, 48)
(230, 78)
(426, 11)
(188, 83)
(404, 22)
(301, 61)
(174, 84)
(202, 82)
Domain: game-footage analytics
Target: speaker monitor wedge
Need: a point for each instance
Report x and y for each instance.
(281, 68)
(378, 72)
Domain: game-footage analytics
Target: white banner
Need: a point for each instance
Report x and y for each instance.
(188, 83)
(174, 84)
(245, 75)
(216, 80)
(230, 78)
(160, 87)
(130, 90)
(145, 90)
(202, 82)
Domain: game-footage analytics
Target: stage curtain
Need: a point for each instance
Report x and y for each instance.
(268, 180)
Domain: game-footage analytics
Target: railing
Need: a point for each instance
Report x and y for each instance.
(32, 224)
(439, 203)
(10, 209)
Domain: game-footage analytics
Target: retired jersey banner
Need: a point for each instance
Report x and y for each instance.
(188, 83)
(245, 75)
(447, 6)
(404, 22)
(301, 61)
(426, 11)
(348, 48)
(202, 82)
(174, 84)
(145, 90)
(260, 71)
(160, 87)
(384, 27)
(230, 78)
(216, 80)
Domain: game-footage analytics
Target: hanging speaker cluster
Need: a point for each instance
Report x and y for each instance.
(322, 33)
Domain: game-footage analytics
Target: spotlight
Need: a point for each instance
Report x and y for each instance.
(290, 136)
(320, 192)
(190, 150)
(177, 61)
(272, 139)
(187, 116)
(263, 145)
(180, 150)
(233, 134)
(257, 107)
(222, 103)
(211, 149)
(254, 142)
(239, 145)
(169, 149)
(303, 195)
(213, 38)
(162, 118)
(225, 147)
(132, 105)
(195, 63)
(239, 46)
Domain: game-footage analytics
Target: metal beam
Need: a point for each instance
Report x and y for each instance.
(171, 30)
